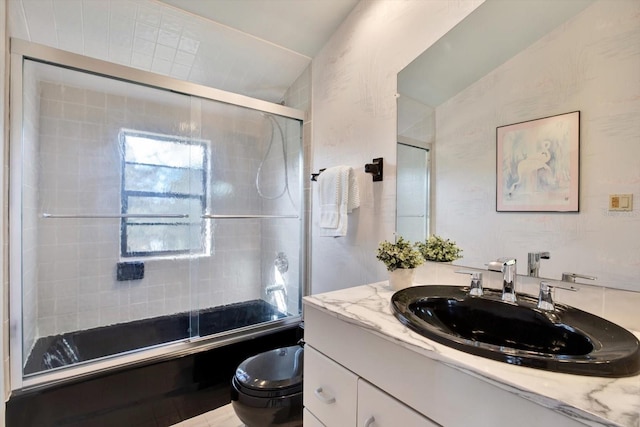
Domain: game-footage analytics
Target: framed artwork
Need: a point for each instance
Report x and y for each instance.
(537, 165)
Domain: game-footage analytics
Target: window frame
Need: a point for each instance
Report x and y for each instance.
(204, 247)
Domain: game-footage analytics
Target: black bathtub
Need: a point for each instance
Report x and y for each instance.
(74, 347)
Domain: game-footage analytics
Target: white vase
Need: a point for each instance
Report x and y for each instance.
(401, 278)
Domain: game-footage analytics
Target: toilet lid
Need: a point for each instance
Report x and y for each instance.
(275, 369)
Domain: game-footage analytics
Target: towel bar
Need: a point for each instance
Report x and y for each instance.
(314, 176)
(374, 169)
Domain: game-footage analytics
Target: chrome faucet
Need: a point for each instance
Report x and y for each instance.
(545, 300)
(475, 287)
(534, 262)
(508, 279)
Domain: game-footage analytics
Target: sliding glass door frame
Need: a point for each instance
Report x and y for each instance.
(20, 51)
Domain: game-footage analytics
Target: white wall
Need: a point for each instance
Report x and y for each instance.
(354, 115)
(591, 64)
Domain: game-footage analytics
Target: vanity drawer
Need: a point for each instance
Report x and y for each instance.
(377, 408)
(330, 391)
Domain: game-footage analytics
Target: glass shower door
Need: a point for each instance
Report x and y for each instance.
(113, 194)
(253, 276)
(145, 219)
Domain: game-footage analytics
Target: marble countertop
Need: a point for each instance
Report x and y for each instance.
(593, 401)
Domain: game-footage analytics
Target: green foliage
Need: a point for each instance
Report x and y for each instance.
(435, 248)
(401, 254)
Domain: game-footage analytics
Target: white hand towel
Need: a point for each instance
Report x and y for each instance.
(330, 194)
(339, 195)
(353, 196)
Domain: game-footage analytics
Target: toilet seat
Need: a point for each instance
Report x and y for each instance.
(274, 373)
(266, 389)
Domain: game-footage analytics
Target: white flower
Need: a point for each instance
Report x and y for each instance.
(401, 254)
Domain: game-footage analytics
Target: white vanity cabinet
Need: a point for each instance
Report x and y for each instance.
(336, 397)
(356, 376)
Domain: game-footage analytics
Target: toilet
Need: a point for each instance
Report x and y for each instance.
(266, 389)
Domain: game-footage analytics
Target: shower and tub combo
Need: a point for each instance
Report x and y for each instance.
(150, 217)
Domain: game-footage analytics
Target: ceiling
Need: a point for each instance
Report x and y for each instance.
(257, 48)
(303, 26)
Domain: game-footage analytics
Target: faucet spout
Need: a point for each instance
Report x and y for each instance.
(509, 269)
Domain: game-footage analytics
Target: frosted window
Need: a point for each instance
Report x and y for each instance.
(163, 175)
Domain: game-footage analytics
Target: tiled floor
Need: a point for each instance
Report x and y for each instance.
(221, 417)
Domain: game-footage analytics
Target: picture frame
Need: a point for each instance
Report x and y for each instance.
(538, 165)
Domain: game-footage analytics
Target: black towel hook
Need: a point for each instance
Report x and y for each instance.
(314, 176)
(375, 169)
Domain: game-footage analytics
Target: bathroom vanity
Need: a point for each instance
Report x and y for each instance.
(364, 368)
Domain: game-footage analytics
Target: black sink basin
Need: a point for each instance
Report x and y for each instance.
(566, 340)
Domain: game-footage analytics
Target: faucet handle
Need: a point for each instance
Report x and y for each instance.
(545, 300)
(571, 277)
(500, 263)
(475, 287)
(494, 266)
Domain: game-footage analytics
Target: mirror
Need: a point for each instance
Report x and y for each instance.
(512, 62)
(412, 208)
(416, 132)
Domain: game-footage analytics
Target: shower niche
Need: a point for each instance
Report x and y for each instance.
(150, 216)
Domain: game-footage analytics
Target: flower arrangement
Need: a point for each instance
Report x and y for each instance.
(435, 248)
(401, 254)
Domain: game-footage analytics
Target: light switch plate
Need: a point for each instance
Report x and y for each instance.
(620, 202)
